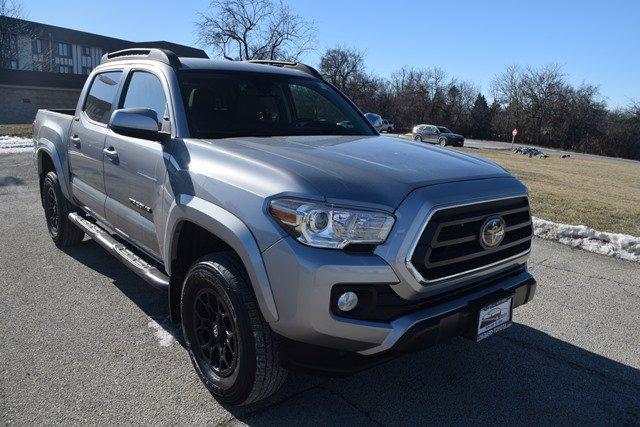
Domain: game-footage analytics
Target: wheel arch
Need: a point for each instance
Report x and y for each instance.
(188, 219)
(48, 159)
(45, 164)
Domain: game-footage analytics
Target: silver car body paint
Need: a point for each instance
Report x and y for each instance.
(224, 186)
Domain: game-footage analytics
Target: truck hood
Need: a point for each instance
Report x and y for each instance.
(374, 170)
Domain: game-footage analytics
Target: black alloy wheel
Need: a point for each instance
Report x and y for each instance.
(56, 211)
(232, 347)
(215, 329)
(51, 212)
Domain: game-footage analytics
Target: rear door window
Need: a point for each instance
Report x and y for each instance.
(102, 95)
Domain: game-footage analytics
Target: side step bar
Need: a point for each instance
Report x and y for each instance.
(151, 274)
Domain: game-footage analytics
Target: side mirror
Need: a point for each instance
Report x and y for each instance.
(375, 120)
(138, 123)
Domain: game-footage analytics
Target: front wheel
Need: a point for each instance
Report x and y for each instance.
(233, 349)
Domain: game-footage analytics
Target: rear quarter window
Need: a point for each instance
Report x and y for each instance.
(102, 95)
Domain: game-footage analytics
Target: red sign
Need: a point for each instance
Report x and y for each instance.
(514, 132)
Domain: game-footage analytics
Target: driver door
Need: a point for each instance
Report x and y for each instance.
(134, 170)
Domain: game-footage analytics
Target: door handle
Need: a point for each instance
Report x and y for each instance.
(75, 140)
(111, 153)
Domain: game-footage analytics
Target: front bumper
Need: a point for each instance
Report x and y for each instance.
(302, 279)
(303, 297)
(456, 317)
(420, 330)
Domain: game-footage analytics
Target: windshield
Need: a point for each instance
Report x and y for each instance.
(220, 105)
(443, 129)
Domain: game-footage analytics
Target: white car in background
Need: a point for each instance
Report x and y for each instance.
(387, 126)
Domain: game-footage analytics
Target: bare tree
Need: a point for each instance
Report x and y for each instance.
(342, 66)
(540, 101)
(255, 29)
(15, 32)
(10, 10)
(634, 109)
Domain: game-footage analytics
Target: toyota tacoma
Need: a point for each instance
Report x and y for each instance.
(287, 233)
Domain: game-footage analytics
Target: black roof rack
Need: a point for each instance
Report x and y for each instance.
(288, 64)
(162, 55)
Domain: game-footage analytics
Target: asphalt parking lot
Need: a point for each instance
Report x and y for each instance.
(80, 343)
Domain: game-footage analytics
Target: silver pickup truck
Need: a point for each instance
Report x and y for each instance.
(286, 231)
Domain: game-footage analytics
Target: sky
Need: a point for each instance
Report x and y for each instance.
(596, 42)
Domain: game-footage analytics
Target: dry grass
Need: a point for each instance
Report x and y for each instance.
(600, 194)
(16, 130)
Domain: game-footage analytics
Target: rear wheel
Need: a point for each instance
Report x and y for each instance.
(418, 138)
(233, 349)
(443, 142)
(56, 211)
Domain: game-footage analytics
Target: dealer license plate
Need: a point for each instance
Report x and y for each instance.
(494, 317)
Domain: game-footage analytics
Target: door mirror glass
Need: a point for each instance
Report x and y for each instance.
(137, 122)
(375, 120)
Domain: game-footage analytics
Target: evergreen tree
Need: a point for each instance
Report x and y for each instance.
(480, 118)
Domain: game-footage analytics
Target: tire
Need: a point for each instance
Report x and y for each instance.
(417, 138)
(442, 142)
(221, 320)
(56, 211)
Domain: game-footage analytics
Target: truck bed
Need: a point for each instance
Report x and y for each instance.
(67, 111)
(53, 126)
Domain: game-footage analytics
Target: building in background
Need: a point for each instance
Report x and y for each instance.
(44, 66)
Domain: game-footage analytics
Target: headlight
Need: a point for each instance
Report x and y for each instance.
(326, 226)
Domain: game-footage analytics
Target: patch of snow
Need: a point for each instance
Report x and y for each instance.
(165, 332)
(15, 144)
(614, 245)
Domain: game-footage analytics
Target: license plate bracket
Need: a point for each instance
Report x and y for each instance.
(494, 317)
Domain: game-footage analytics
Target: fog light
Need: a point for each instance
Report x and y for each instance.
(347, 301)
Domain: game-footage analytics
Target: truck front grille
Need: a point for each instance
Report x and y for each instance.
(450, 243)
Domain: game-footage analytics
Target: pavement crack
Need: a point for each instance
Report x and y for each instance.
(620, 284)
(353, 405)
(538, 262)
(586, 369)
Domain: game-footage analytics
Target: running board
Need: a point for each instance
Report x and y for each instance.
(149, 273)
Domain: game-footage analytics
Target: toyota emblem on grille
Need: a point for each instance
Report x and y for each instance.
(492, 232)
